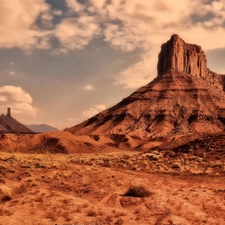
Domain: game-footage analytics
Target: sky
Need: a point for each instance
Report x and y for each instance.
(63, 61)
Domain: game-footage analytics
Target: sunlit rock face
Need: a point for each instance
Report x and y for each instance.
(178, 56)
(185, 97)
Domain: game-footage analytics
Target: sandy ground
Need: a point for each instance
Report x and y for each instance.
(46, 189)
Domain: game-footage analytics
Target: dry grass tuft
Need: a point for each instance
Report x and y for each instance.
(51, 215)
(119, 222)
(91, 213)
(137, 191)
(5, 193)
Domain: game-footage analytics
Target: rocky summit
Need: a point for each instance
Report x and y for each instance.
(185, 98)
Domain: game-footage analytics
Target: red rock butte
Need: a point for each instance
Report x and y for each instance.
(10, 125)
(186, 97)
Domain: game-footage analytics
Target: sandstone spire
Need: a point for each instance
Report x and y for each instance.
(178, 56)
(9, 112)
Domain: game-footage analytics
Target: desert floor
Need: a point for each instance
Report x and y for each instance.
(63, 189)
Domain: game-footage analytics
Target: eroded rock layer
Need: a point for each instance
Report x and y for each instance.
(185, 97)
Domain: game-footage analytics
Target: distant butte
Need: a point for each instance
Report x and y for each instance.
(185, 98)
(10, 125)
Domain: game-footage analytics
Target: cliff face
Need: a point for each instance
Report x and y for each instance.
(178, 56)
(185, 97)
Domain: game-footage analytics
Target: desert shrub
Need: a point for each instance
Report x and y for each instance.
(67, 216)
(109, 219)
(119, 214)
(5, 194)
(137, 191)
(20, 190)
(6, 198)
(91, 213)
(119, 222)
(5, 212)
(136, 211)
(51, 215)
(106, 162)
(83, 190)
(85, 205)
(2, 181)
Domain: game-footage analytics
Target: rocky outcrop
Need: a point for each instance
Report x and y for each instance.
(185, 98)
(171, 104)
(10, 125)
(178, 56)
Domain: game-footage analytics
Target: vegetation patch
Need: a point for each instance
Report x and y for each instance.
(138, 191)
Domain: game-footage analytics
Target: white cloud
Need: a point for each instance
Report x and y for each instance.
(17, 99)
(100, 107)
(217, 6)
(75, 33)
(46, 22)
(3, 99)
(140, 73)
(98, 3)
(145, 25)
(124, 24)
(57, 12)
(138, 20)
(18, 26)
(89, 87)
(15, 75)
(12, 73)
(74, 5)
(71, 119)
(46, 16)
(89, 113)
(93, 111)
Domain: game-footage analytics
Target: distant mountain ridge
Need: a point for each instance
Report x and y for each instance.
(41, 128)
